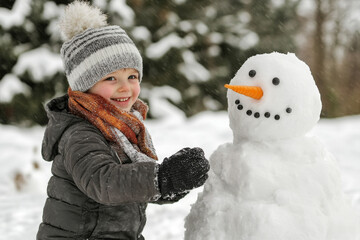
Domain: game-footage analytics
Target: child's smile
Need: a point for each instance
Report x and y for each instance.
(121, 103)
(120, 99)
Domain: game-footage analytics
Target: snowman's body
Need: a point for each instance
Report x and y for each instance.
(274, 182)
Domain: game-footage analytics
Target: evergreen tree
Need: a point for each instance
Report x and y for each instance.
(17, 39)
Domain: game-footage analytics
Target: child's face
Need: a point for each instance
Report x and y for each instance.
(121, 88)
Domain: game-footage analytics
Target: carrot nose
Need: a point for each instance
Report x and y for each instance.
(250, 91)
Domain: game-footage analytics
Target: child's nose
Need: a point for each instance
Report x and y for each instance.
(123, 86)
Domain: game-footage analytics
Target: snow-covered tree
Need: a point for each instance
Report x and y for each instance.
(31, 69)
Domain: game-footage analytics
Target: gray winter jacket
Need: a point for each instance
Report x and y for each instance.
(92, 194)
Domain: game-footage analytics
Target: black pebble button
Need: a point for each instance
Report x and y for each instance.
(240, 107)
(237, 101)
(257, 115)
(277, 117)
(249, 112)
(288, 110)
(267, 114)
(276, 81)
(252, 73)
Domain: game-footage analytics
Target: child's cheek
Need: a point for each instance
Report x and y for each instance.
(107, 92)
(137, 91)
(103, 89)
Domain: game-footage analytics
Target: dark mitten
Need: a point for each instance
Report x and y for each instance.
(183, 171)
(172, 199)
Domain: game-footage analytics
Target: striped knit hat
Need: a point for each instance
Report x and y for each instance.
(92, 49)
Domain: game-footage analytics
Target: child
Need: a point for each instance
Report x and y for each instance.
(103, 161)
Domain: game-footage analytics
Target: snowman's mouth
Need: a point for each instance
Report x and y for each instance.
(256, 114)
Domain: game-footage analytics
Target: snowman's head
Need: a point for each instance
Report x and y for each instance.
(272, 96)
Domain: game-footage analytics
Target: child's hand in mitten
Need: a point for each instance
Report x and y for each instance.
(183, 171)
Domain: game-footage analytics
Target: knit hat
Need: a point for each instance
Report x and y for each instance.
(92, 49)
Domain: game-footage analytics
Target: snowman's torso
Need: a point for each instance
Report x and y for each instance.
(263, 170)
(280, 190)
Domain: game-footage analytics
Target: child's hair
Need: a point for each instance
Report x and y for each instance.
(92, 49)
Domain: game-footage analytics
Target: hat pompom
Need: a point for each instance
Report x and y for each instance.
(80, 16)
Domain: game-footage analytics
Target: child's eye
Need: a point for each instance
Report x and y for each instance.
(133, 77)
(110, 79)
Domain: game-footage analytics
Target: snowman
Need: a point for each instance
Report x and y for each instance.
(275, 181)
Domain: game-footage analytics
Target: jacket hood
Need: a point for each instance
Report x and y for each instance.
(59, 120)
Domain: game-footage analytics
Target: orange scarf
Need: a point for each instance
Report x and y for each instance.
(102, 114)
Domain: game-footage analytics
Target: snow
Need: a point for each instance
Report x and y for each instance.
(192, 69)
(160, 107)
(275, 180)
(120, 7)
(216, 38)
(249, 40)
(24, 175)
(185, 26)
(11, 85)
(201, 28)
(51, 11)
(141, 33)
(40, 63)
(15, 16)
(21, 211)
(160, 48)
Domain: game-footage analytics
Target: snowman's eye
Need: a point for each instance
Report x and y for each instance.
(276, 81)
(252, 73)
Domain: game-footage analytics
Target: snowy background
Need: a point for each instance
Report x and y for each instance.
(24, 175)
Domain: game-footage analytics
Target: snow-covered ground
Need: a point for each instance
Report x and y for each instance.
(22, 168)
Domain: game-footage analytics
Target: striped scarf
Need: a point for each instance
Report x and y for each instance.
(121, 127)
